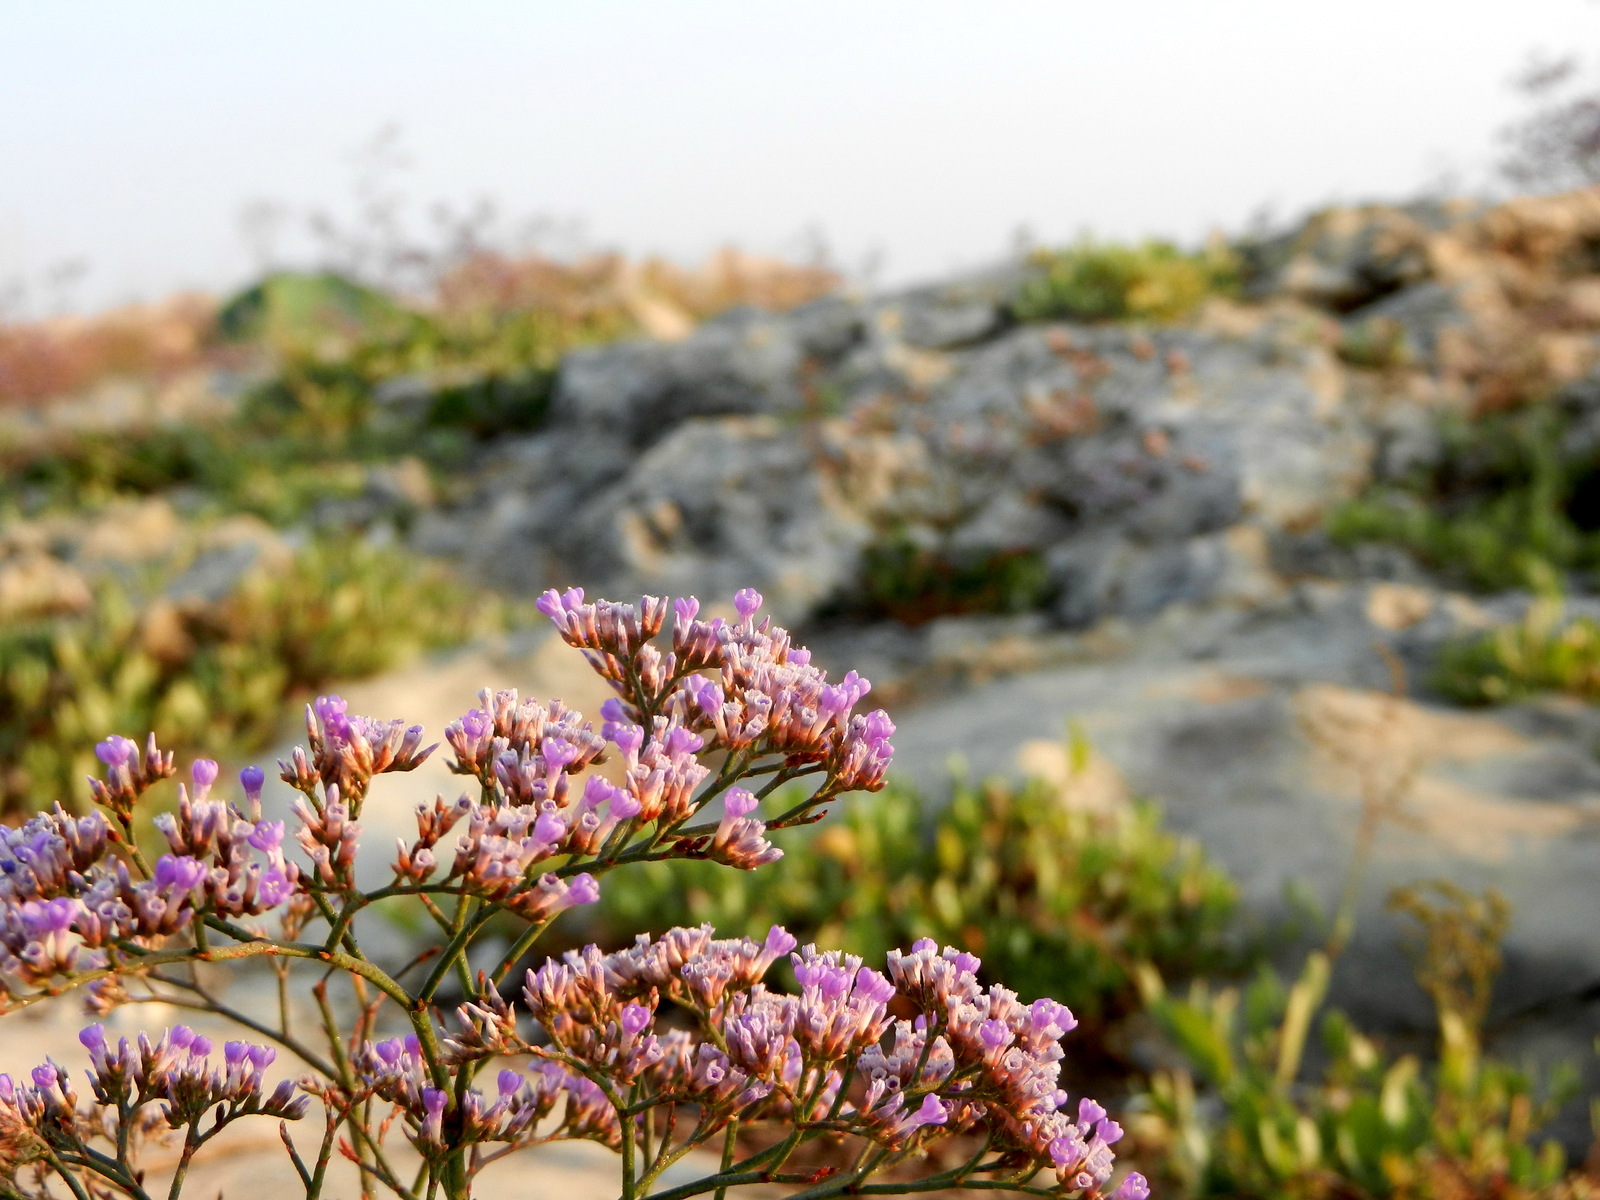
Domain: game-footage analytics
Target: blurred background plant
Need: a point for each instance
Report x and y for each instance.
(219, 674)
(1064, 902)
(1251, 1113)
(1506, 503)
(1249, 1107)
(1109, 281)
(904, 580)
(1546, 651)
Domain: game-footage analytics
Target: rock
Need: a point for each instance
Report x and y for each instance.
(827, 329)
(1119, 456)
(716, 506)
(404, 484)
(1343, 258)
(1394, 607)
(943, 319)
(132, 531)
(34, 585)
(743, 363)
(1420, 313)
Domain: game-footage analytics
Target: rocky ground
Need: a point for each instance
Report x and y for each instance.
(1223, 656)
(1168, 485)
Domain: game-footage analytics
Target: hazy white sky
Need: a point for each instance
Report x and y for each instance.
(131, 135)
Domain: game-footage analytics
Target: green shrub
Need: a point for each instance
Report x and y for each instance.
(1378, 343)
(293, 307)
(1058, 902)
(1540, 653)
(902, 580)
(1505, 506)
(494, 404)
(1244, 1117)
(213, 675)
(226, 467)
(1096, 281)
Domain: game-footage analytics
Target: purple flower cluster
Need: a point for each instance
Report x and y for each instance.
(833, 1055)
(1007, 1057)
(226, 844)
(347, 751)
(176, 1075)
(742, 684)
(737, 687)
(128, 773)
(899, 1057)
(395, 1071)
(64, 897)
(178, 1071)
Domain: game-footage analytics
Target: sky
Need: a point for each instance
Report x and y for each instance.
(910, 139)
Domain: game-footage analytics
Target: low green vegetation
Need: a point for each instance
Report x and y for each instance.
(1109, 281)
(1543, 652)
(213, 675)
(1253, 1113)
(1057, 901)
(903, 580)
(1505, 505)
(1377, 343)
(306, 430)
(1246, 1085)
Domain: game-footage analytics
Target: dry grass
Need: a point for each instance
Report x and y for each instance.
(45, 359)
(41, 361)
(662, 298)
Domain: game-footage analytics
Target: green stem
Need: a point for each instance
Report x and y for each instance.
(191, 1143)
(730, 1142)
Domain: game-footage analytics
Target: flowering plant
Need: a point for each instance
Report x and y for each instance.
(672, 1044)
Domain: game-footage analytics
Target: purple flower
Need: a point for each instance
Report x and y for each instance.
(625, 806)
(1133, 1187)
(252, 779)
(204, 773)
(93, 1038)
(745, 602)
(932, 1112)
(964, 961)
(1048, 1015)
(433, 1102)
(179, 873)
(1089, 1112)
(627, 738)
(267, 836)
(477, 724)
(584, 889)
(557, 753)
(116, 751)
(273, 888)
(739, 803)
(330, 712)
(555, 605)
(635, 1017)
(508, 1083)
